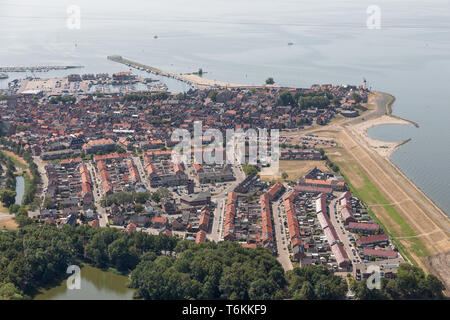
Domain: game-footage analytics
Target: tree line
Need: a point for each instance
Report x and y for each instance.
(164, 267)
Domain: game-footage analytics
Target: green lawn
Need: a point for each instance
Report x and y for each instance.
(370, 194)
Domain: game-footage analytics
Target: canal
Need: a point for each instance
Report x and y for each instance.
(20, 189)
(96, 284)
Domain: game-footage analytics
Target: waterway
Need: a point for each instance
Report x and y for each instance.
(246, 41)
(20, 189)
(96, 284)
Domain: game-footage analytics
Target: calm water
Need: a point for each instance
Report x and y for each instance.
(245, 41)
(20, 189)
(96, 284)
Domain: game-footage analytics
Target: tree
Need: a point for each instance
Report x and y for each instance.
(285, 98)
(315, 282)
(284, 175)
(139, 208)
(270, 81)
(7, 197)
(213, 95)
(14, 208)
(155, 197)
(9, 291)
(262, 289)
(356, 97)
(49, 203)
(122, 256)
(142, 197)
(164, 194)
(306, 292)
(410, 283)
(249, 169)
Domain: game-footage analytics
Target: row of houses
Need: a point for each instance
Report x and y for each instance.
(329, 231)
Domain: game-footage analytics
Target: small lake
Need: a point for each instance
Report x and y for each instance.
(20, 189)
(96, 284)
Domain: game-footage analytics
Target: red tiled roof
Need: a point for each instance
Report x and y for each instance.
(381, 253)
(364, 226)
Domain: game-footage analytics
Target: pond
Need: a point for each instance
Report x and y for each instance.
(96, 284)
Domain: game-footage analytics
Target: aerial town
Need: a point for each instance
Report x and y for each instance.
(106, 159)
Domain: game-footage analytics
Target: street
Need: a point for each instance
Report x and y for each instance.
(342, 233)
(280, 235)
(96, 183)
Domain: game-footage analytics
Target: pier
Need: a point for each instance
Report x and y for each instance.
(192, 79)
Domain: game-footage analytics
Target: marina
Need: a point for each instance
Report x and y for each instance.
(124, 82)
(36, 69)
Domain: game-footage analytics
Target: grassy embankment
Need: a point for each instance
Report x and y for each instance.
(379, 208)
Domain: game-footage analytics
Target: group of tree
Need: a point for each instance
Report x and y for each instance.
(315, 283)
(29, 197)
(330, 164)
(249, 169)
(9, 175)
(213, 95)
(62, 99)
(138, 198)
(223, 270)
(270, 81)
(145, 97)
(164, 267)
(410, 283)
(305, 100)
(356, 97)
(37, 255)
(123, 198)
(7, 197)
